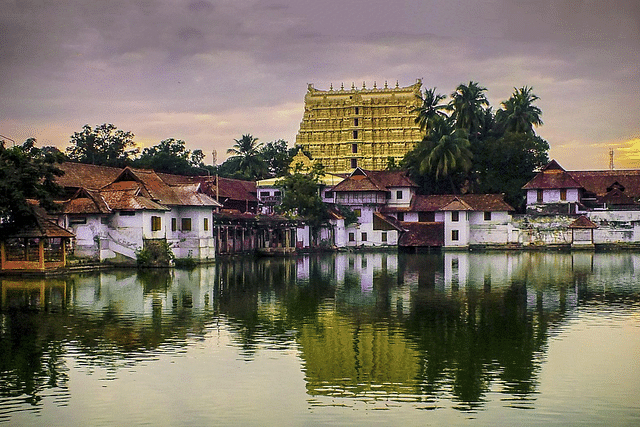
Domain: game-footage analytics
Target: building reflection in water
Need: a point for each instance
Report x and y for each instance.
(424, 328)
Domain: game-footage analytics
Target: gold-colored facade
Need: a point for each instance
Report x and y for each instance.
(360, 127)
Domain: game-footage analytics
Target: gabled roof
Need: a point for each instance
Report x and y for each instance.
(227, 188)
(601, 182)
(552, 176)
(86, 202)
(471, 202)
(365, 180)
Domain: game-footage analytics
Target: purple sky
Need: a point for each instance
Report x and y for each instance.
(209, 71)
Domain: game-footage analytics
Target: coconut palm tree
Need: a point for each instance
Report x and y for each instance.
(448, 154)
(247, 150)
(430, 110)
(518, 113)
(467, 106)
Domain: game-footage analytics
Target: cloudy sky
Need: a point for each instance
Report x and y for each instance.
(208, 71)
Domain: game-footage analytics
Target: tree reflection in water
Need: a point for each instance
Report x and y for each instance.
(431, 329)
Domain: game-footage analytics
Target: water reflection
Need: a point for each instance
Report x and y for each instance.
(434, 330)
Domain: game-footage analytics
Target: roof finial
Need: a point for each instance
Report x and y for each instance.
(397, 84)
(342, 86)
(386, 86)
(353, 85)
(363, 85)
(331, 86)
(374, 85)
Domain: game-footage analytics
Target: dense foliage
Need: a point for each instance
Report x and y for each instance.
(171, 156)
(469, 148)
(27, 172)
(105, 145)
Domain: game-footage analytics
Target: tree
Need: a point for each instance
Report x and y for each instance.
(105, 145)
(247, 150)
(518, 113)
(171, 156)
(301, 197)
(467, 107)
(430, 110)
(508, 162)
(448, 155)
(27, 172)
(276, 155)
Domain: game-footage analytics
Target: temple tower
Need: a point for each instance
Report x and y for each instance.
(348, 128)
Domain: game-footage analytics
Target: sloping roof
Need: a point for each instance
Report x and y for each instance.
(582, 222)
(365, 180)
(40, 227)
(597, 182)
(227, 188)
(474, 202)
(78, 175)
(422, 234)
(383, 222)
(86, 202)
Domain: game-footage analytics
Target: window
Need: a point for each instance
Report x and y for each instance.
(78, 220)
(357, 110)
(539, 196)
(563, 194)
(127, 213)
(383, 236)
(354, 163)
(104, 220)
(355, 122)
(276, 193)
(355, 134)
(352, 237)
(455, 216)
(357, 212)
(328, 194)
(354, 148)
(364, 237)
(174, 224)
(264, 194)
(186, 224)
(455, 235)
(156, 223)
(399, 194)
(206, 224)
(400, 216)
(487, 216)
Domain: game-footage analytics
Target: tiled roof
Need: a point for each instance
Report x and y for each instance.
(40, 227)
(474, 202)
(78, 175)
(597, 182)
(582, 222)
(422, 234)
(86, 202)
(364, 180)
(228, 188)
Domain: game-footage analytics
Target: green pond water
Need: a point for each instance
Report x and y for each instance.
(505, 338)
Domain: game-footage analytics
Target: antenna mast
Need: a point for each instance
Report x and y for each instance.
(611, 158)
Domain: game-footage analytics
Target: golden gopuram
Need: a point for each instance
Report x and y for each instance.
(359, 127)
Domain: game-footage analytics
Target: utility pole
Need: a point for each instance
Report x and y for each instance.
(215, 160)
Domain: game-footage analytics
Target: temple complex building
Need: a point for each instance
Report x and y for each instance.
(359, 127)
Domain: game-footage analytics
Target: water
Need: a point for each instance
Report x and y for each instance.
(503, 338)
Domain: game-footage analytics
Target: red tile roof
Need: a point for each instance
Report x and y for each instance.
(475, 202)
(365, 180)
(582, 222)
(78, 175)
(597, 182)
(422, 234)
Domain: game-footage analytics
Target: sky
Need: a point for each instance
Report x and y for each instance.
(209, 71)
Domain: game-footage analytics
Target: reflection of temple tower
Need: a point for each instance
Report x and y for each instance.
(347, 128)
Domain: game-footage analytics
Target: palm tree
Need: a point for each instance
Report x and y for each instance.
(247, 150)
(518, 113)
(448, 153)
(430, 110)
(467, 106)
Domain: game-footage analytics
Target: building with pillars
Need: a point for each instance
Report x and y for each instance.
(360, 127)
